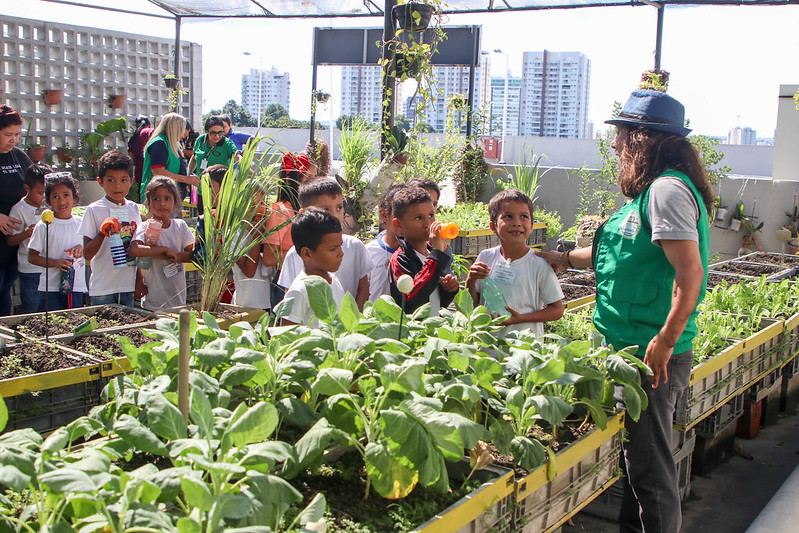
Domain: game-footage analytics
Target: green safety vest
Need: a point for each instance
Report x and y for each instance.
(635, 280)
(172, 163)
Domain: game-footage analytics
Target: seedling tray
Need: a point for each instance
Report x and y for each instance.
(9, 325)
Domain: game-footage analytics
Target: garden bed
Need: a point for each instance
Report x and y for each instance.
(772, 258)
(105, 346)
(63, 323)
(577, 295)
(746, 269)
(715, 278)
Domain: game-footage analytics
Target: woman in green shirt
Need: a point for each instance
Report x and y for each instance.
(213, 148)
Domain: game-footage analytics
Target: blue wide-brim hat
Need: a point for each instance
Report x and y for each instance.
(654, 110)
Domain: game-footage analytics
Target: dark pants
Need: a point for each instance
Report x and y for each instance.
(121, 298)
(8, 275)
(57, 300)
(651, 501)
(32, 299)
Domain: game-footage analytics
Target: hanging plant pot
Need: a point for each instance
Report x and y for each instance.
(64, 155)
(412, 16)
(116, 101)
(322, 97)
(170, 81)
(407, 65)
(52, 96)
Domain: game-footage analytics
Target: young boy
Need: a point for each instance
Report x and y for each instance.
(110, 214)
(527, 282)
(383, 247)
(326, 194)
(29, 211)
(428, 185)
(317, 235)
(421, 253)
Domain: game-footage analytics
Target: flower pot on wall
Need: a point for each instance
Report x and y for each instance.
(64, 155)
(412, 16)
(37, 153)
(116, 101)
(52, 96)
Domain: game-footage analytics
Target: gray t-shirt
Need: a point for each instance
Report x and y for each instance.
(673, 211)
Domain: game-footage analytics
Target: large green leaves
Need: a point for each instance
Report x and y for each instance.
(320, 298)
(390, 478)
(252, 424)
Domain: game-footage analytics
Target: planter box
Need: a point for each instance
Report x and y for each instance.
(485, 510)
(578, 302)
(9, 324)
(471, 242)
(585, 469)
(791, 338)
(721, 418)
(714, 382)
(773, 272)
(233, 314)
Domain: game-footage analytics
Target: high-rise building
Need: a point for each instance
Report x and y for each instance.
(554, 94)
(739, 135)
(260, 88)
(498, 106)
(362, 92)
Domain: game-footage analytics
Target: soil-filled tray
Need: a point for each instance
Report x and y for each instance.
(773, 259)
(576, 292)
(715, 278)
(105, 346)
(26, 358)
(747, 269)
(63, 323)
(578, 277)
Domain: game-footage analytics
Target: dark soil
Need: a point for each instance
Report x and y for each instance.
(774, 259)
(105, 346)
(575, 278)
(28, 358)
(747, 269)
(66, 322)
(714, 279)
(344, 484)
(575, 292)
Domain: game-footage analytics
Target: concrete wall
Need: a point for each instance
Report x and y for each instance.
(786, 156)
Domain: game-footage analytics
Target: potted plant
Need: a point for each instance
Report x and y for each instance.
(171, 81)
(116, 101)
(397, 141)
(52, 97)
(64, 153)
(413, 16)
(321, 97)
(37, 152)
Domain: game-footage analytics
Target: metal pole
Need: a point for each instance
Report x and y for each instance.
(389, 82)
(177, 58)
(183, 363)
(313, 104)
(504, 110)
(659, 37)
(260, 87)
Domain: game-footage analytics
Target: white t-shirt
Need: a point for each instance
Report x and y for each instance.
(105, 279)
(253, 292)
(163, 292)
(534, 285)
(28, 214)
(301, 312)
(354, 266)
(380, 255)
(63, 236)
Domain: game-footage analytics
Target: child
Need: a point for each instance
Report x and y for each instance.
(383, 247)
(428, 185)
(421, 253)
(317, 235)
(215, 173)
(326, 194)
(251, 277)
(165, 280)
(107, 284)
(527, 282)
(29, 211)
(62, 251)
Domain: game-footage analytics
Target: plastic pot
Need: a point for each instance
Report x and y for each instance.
(170, 83)
(412, 16)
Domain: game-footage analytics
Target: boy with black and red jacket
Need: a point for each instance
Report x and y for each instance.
(421, 253)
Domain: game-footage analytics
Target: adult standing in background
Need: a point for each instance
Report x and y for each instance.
(212, 147)
(239, 138)
(651, 260)
(136, 144)
(13, 163)
(162, 153)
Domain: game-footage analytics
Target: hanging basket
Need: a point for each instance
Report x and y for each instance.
(116, 101)
(412, 16)
(171, 82)
(52, 96)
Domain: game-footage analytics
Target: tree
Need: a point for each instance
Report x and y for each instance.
(239, 116)
(424, 127)
(272, 113)
(402, 122)
(345, 121)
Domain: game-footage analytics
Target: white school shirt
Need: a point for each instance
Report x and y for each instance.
(534, 286)
(63, 236)
(380, 255)
(105, 279)
(163, 292)
(354, 266)
(301, 312)
(253, 292)
(28, 214)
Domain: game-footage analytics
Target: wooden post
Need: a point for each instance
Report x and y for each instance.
(183, 363)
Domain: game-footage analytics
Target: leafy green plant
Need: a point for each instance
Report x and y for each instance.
(356, 145)
(468, 216)
(91, 146)
(526, 174)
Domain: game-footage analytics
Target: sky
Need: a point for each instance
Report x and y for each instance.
(726, 63)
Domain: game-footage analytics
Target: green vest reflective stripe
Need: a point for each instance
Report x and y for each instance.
(172, 163)
(635, 280)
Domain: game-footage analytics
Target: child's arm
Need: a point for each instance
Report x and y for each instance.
(36, 259)
(273, 255)
(477, 271)
(92, 246)
(14, 240)
(551, 312)
(249, 262)
(363, 292)
(139, 249)
(141, 288)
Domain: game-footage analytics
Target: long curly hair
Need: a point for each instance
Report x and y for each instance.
(648, 153)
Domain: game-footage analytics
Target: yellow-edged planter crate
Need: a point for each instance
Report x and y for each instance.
(714, 382)
(573, 305)
(582, 471)
(230, 314)
(791, 338)
(471, 242)
(9, 324)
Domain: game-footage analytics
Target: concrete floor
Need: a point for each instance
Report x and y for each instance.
(730, 497)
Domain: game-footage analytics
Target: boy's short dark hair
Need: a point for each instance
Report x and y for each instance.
(387, 201)
(426, 184)
(310, 226)
(407, 197)
(60, 178)
(115, 160)
(213, 120)
(34, 174)
(226, 119)
(316, 187)
(216, 173)
(510, 195)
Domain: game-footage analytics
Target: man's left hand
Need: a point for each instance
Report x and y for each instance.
(657, 358)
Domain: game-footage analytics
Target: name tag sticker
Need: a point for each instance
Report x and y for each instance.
(120, 213)
(505, 274)
(172, 269)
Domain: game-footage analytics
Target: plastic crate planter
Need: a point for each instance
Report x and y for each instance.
(791, 338)
(470, 243)
(486, 510)
(714, 382)
(585, 469)
(9, 325)
(227, 314)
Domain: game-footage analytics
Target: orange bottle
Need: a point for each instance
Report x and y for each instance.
(449, 231)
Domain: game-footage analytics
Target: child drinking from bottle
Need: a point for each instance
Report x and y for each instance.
(168, 242)
(60, 252)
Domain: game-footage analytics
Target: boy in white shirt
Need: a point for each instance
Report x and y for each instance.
(528, 284)
(326, 194)
(108, 284)
(29, 211)
(383, 247)
(317, 237)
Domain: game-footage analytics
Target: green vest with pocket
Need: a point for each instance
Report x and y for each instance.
(635, 280)
(172, 163)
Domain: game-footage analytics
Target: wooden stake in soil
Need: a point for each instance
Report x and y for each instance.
(183, 363)
(47, 218)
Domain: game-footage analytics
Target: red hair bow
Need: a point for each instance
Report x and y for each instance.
(298, 162)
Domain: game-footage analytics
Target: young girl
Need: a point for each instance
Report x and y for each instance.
(62, 253)
(165, 279)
